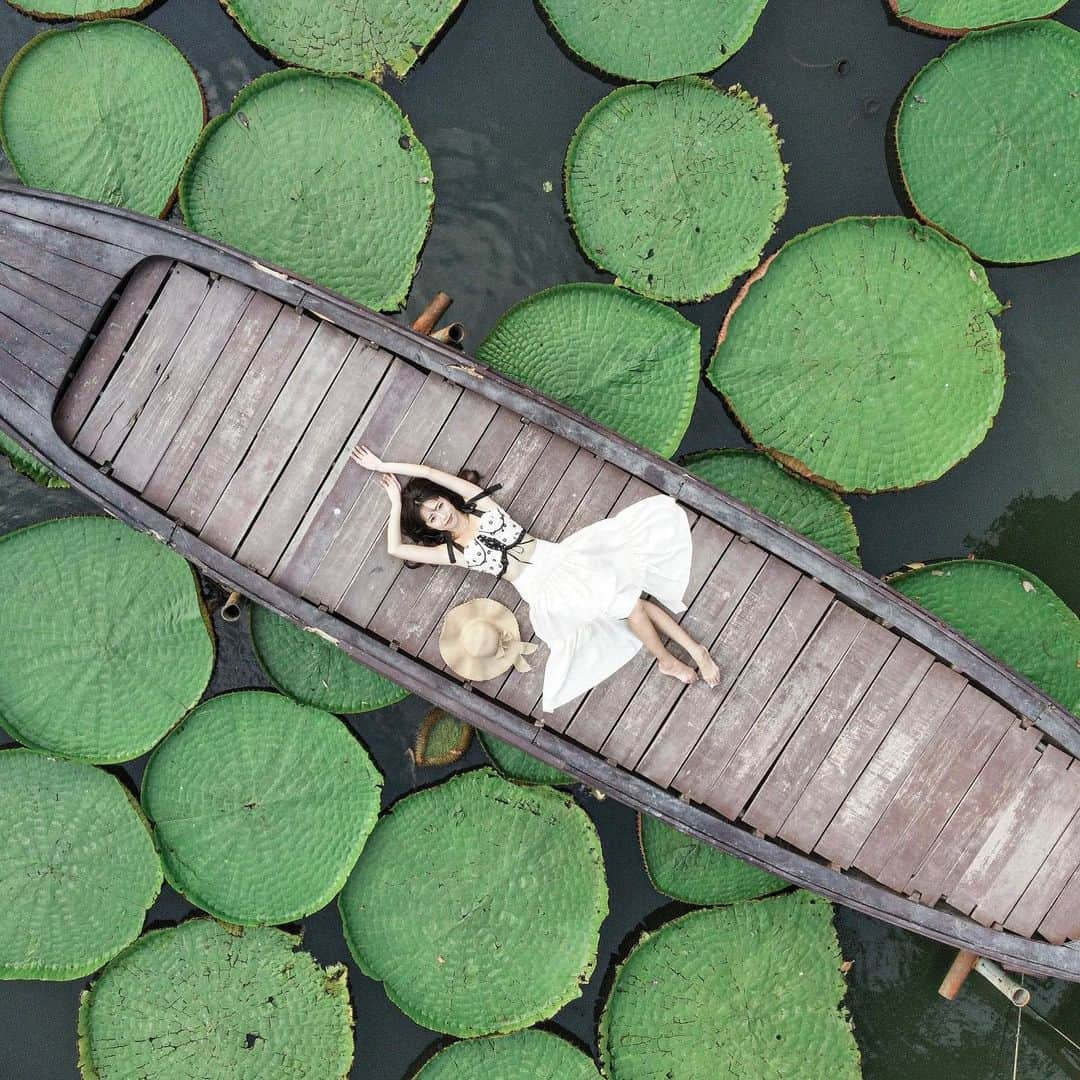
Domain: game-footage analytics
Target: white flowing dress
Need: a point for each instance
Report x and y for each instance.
(581, 589)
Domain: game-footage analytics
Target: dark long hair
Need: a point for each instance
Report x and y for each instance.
(416, 492)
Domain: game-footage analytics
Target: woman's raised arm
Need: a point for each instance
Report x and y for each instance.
(465, 488)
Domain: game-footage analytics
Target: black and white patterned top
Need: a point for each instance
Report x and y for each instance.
(489, 551)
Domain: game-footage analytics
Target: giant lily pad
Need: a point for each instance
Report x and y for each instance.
(988, 137)
(131, 111)
(29, 465)
(315, 671)
(952, 17)
(1010, 613)
(675, 188)
(478, 904)
(260, 807)
(758, 481)
(752, 990)
(631, 364)
(682, 38)
(863, 354)
(322, 175)
(338, 36)
(79, 9)
(686, 869)
(204, 1000)
(525, 1055)
(515, 764)
(106, 641)
(80, 869)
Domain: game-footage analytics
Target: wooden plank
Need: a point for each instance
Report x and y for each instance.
(90, 251)
(814, 737)
(749, 593)
(109, 345)
(782, 644)
(736, 782)
(123, 397)
(243, 416)
(43, 359)
(43, 322)
(212, 400)
(181, 382)
(857, 741)
(87, 285)
(1062, 921)
(343, 411)
(73, 309)
(885, 771)
(277, 438)
(33, 389)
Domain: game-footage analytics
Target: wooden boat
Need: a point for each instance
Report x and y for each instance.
(857, 746)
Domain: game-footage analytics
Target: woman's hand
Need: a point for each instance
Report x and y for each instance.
(363, 456)
(392, 487)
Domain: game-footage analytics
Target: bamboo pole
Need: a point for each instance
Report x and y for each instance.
(957, 974)
(430, 316)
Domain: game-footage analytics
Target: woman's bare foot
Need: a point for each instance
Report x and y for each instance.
(677, 669)
(706, 665)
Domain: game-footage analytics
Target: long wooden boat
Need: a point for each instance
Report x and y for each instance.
(857, 746)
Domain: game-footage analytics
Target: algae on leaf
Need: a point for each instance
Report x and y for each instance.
(324, 176)
(526, 1055)
(80, 869)
(630, 363)
(951, 17)
(29, 465)
(206, 1000)
(130, 111)
(675, 188)
(864, 355)
(478, 904)
(515, 764)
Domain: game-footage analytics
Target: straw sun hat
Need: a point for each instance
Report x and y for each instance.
(480, 639)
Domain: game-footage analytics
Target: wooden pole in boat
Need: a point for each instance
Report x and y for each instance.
(967, 962)
(430, 316)
(957, 974)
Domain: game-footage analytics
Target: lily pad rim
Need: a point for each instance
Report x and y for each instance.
(958, 31)
(135, 8)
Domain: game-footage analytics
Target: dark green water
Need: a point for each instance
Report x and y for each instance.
(495, 105)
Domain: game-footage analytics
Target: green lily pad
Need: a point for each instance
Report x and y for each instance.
(752, 990)
(863, 354)
(316, 672)
(79, 9)
(106, 640)
(478, 904)
(108, 110)
(233, 790)
(80, 869)
(695, 873)
(275, 176)
(1010, 613)
(441, 739)
(675, 188)
(631, 364)
(683, 38)
(205, 1000)
(755, 479)
(525, 1055)
(988, 137)
(951, 17)
(29, 465)
(515, 764)
(337, 36)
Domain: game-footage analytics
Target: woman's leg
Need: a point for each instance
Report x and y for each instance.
(642, 625)
(665, 624)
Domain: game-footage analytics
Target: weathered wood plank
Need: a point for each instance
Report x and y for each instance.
(85, 284)
(90, 251)
(1062, 921)
(43, 359)
(74, 310)
(43, 322)
(33, 389)
(814, 737)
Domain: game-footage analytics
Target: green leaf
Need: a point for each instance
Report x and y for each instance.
(1010, 613)
(441, 739)
(751, 991)
(631, 364)
(988, 137)
(130, 110)
(525, 1055)
(260, 807)
(478, 904)
(79, 9)
(29, 465)
(315, 672)
(675, 188)
(515, 764)
(863, 355)
(960, 16)
(683, 36)
(275, 176)
(205, 1000)
(106, 641)
(79, 870)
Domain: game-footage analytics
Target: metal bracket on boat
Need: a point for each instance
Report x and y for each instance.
(394, 644)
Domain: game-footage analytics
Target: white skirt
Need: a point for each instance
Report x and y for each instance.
(581, 590)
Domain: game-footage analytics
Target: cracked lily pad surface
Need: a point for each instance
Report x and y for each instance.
(275, 176)
(630, 363)
(959, 16)
(478, 904)
(752, 990)
(337, 36)
(123, 140)
(864, 355)
(525, 1055)
(80, 869)
(260, 807)
(755, 479)
(106, 642)
(204, 1000)
(988, 137)
(316, 672)
(683, 38)
(675, 188)
(1010, 613)
(29, 465)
